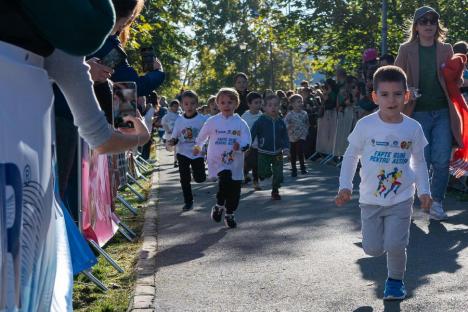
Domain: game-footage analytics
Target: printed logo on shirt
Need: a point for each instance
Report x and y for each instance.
(388, 183)
(406, 144)
(189, 134)
(389, 158)
(227, 157)
(235, 132)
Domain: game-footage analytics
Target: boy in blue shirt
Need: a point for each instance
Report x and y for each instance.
(273, 142)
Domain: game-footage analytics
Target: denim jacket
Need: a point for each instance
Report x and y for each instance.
(272, 135)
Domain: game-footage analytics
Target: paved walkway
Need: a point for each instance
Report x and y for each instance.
(299, 254)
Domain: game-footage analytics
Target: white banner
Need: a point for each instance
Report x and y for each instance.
(28, 237)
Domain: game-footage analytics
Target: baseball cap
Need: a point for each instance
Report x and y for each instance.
(420, 12)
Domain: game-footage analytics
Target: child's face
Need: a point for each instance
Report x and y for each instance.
(241, 84)
(271, 107)
(189, 105)
(391, 98)
(255, 105)
(297, 104)
(174, 108)
(226, 104)
(213, 108)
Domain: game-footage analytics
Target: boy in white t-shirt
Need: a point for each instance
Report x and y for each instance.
(254, 101)
(390, 146)
(228, 138)
(168, 122)
(186, 129)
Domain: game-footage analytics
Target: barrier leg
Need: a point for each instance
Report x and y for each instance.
(127, 204)
(141, 166)
(125, 234)
(326, 159)
(134, 180)
(313, 155)
(95, 280)
(146, 163)
(140, 197)
(106, 256)
(139, 175)
(127, 229)
(143, 177)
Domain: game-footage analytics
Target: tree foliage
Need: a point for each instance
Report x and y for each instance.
(199, 42)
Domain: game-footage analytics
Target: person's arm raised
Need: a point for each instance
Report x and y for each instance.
(72, 76)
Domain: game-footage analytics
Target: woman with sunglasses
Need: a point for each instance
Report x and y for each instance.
(422, 58)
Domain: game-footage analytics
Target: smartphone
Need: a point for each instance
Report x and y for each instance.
(114, 58)
(147, 58)
(124, 103)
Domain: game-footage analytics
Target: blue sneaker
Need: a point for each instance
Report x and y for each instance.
(394, 290)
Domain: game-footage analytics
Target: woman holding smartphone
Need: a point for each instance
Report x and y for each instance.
(126, 13)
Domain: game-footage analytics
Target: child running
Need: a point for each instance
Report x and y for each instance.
(186, 129)
(167, 122)
(297, 122)
(272, 136)
(213, 108)
(228, 137)
(254, 101)
(390, 146)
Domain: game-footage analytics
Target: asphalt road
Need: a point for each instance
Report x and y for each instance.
(299, 254)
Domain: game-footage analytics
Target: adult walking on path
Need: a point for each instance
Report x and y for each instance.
(422, 58)
(298, 254)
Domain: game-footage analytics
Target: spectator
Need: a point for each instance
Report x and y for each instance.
(113, 54)
(462, 47)
(386, 59)
(35, 46)
(304, 84)
(241, 84)
(421, 57)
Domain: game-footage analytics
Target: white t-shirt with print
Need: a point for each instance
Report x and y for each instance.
(222, 132)
(392, 159)
(186, 131)
(168, 122)
(297, 124)
(250, 119)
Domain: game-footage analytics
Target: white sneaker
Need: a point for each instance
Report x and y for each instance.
(437, 211)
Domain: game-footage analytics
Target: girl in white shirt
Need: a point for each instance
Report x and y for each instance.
(228, 138)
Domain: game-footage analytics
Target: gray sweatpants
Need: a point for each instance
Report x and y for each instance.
(386, 229)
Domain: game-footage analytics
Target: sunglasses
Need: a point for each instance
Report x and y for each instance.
(428, 20)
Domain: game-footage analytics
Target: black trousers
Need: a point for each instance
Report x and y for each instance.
(251, 163)
(197, 166)
(229, 191)
(297, 151)
(146, 149)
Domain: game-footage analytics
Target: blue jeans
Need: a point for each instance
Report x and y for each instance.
(436, 127)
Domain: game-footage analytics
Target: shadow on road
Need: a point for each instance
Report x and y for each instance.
(428, 253)
(188, 252)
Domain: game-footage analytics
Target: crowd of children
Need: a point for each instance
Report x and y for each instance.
(232, 146)
(389, 145)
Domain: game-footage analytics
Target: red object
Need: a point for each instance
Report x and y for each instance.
(453, 71)
(369, 55)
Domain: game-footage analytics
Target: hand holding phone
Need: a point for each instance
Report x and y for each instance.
(124, 104)
(139, 128)
(115, 57)
(98, 71)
